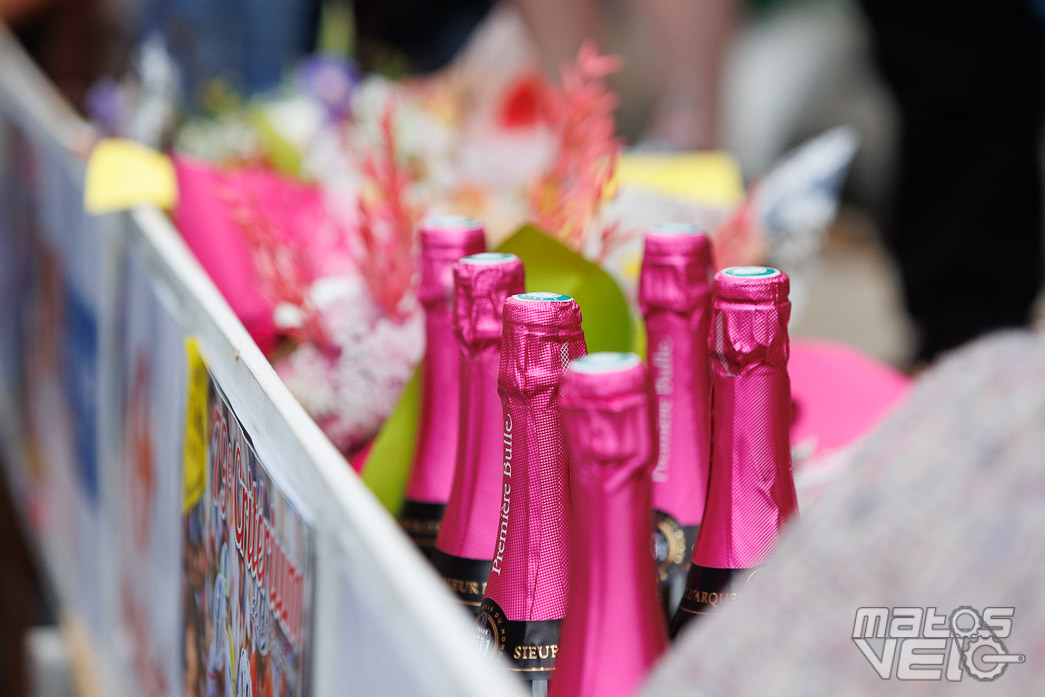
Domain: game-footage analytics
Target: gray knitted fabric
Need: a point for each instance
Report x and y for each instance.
(943, 506)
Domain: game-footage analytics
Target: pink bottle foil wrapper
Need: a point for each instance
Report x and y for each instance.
(751, 490)
(675, 299)
(529, 576)
(614, 629)
(470, 521)
(443, 241)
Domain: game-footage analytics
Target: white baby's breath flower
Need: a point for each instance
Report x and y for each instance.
(229, 137)
(352, 392)
(296, 118)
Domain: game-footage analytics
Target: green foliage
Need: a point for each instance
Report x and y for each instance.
(389, 463)
(550, 266)
(282, 155)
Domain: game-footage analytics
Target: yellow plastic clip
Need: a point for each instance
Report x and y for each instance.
(194, 450)
(122, 174)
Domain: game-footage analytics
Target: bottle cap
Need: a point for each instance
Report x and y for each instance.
(543, 313)
(482, 284)
(444, 240)
(605, 401)
(676, 269)
(754, 284)
(750, 312)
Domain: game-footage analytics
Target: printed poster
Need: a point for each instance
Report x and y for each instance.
(247, 561)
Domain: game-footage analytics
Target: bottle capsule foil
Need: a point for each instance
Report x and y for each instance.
(482, 284)
(525, 599)
(444, 240)
(675, 299)
(751, 491)
(614, 629)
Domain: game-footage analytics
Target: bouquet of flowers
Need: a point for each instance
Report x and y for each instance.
(303, 204)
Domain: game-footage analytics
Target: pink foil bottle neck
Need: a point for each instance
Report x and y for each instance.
(614, 629)
(676, 269)
(675, 299)
(444, 240)
(531, 554)
(751, 491)
(482, 284)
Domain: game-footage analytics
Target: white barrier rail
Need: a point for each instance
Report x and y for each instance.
(79, 296)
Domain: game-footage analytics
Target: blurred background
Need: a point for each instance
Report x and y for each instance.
(947, 103)
(939, 236)
(754, 78)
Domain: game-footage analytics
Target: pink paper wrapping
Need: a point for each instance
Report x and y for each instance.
(614, 629)
(482, 284)
(218, 210)
(529, 576)
(751, 491)
(839, 394)
(443, 241)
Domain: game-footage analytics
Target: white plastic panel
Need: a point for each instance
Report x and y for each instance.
(382, 623)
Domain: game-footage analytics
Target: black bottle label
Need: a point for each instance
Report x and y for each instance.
(530, 646)
(465, 577)
(672, 545)
(708, 590)
(420, 521)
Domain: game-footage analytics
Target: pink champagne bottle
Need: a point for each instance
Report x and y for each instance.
(525, 600)
(463, 551)
(614, 629)
(444, 240)
(751, 491)
(675, 299)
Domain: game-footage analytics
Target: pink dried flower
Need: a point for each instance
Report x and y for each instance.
(386, 223)
(738, 240)
(281, 263)
(567, 198)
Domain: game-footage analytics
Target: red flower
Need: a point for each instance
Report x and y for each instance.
(528, 101)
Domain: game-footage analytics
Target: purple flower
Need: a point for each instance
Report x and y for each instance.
(330, 81)
(106, 105)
